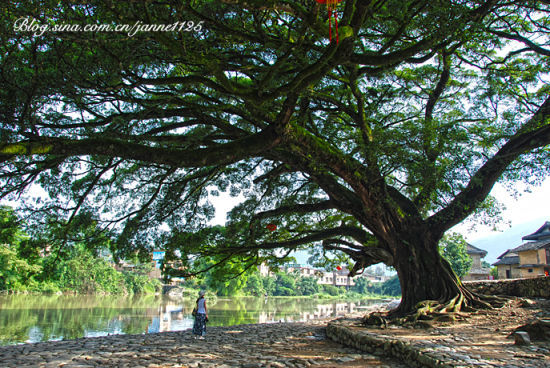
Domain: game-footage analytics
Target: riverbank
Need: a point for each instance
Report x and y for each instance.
(479, 341)
(276, 345)
(178, 292)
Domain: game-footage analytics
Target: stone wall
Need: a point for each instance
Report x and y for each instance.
(538, 287)
(423, 352)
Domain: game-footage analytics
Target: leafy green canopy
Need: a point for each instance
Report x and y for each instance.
(405, 124)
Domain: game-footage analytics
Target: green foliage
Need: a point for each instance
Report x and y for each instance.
(307, 286)
(453, 248)
(494, 272)
(226, 280)
(140, 284)
(332, 290)
(393, 136)
(390, 287)
(10, 227)
(285, 285)
(254, 286)
(16, 273)
(77, 269)
(84, 273)
(362, 286)
(269, 285)
(87, 274)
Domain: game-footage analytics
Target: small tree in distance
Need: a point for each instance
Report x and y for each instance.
(454, 249)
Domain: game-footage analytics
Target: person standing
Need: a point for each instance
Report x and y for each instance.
(199, 327)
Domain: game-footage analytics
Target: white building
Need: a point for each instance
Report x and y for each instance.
(336, 278)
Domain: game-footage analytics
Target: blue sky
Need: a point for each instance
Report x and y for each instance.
(525, 213)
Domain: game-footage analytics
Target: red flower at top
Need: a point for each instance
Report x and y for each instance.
(337, 267)
(271, 227)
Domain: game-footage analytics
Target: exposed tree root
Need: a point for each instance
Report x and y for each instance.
(456, 309)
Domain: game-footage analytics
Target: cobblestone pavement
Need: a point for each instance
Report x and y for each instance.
(482, 340)
(260, 345)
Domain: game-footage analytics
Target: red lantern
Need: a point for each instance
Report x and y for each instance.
(338, 268)
(271, 227)
(331, 6)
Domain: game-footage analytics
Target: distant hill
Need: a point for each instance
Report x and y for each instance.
(498, 243)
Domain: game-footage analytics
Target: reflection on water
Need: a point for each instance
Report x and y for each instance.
(25, 318)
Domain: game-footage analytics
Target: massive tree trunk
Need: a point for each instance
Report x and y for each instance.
(425, 275)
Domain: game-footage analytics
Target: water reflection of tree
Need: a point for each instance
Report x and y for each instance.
(233, 311)
(70, 317)
(16, 325)
(76, 301)
(49, 317)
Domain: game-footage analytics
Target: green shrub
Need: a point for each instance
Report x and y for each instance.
(332, 290)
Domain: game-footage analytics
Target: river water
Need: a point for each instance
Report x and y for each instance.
(32, 318)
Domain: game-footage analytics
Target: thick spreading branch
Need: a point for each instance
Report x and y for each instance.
(364, 256)
(431, 149)
(295, 209)
(356, 233)
(527, 42)
(220, 154)
(535, 133)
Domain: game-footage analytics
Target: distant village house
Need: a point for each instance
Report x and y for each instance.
(338, 278)
(477, 272)
(508, 265)
(531, 259)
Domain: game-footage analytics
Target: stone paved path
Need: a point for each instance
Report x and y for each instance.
(482, 340)
(247, 346)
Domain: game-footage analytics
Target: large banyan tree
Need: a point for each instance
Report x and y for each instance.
(371, 145)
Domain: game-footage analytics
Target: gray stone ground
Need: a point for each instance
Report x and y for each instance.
(260, 345)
